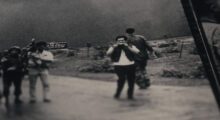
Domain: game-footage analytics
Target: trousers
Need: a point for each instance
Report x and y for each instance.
(33, 76)
(125, 73)
(10, 78)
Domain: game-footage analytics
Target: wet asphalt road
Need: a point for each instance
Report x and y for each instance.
(81, 99)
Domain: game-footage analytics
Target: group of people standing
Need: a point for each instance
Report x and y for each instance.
(33, 61)
(129, 55)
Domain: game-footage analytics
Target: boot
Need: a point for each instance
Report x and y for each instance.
(46, 100)
(17, 100)
(130, 97)
(7, 103)
(116, 96)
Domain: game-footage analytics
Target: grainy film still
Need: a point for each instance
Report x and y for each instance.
(203, 18)
(101, 60)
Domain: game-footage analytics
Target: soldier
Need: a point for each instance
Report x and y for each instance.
(38, 65)
(141, 59)
(12, 74)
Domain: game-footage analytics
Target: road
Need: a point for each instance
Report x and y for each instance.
(82, 99)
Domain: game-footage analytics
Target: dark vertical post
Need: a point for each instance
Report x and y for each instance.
(181, 49)
(203, 47)
(88, 45)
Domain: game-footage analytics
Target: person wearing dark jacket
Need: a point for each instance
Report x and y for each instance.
(122, 56)
(12, 74)
(141, 59)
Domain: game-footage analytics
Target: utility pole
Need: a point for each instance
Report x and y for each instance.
(181, 49)
(88, 45)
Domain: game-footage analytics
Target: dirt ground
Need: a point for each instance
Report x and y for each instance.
(83, 99)
(89, 96)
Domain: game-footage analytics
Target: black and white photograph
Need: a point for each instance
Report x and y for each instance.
(109, 59)
(203, 18)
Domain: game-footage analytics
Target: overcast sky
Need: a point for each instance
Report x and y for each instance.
(80, 21)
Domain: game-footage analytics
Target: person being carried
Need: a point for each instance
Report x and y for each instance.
(122, 56)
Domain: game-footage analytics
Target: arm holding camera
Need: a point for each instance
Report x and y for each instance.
(111, 49)
(132, 48)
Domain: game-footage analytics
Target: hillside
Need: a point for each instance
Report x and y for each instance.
(168, 68)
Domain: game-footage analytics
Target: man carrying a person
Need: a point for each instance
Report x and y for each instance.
(142, 78)
(38, 65)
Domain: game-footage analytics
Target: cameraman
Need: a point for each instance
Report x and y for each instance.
(122, 56)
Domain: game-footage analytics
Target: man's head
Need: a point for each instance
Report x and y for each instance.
(121, 39)
(14, 51)
(130, 30)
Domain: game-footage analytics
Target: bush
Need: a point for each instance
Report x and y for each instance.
(158, 53)
(167, 43)
(58, 51)
(199, 72)
(164, 44)
(97, 66)
(172, 50)
(173, 42)
(71, 53)
(172, 72)
(193, 51)
(100, 52)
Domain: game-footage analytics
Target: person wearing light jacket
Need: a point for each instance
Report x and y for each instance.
(38, 66)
